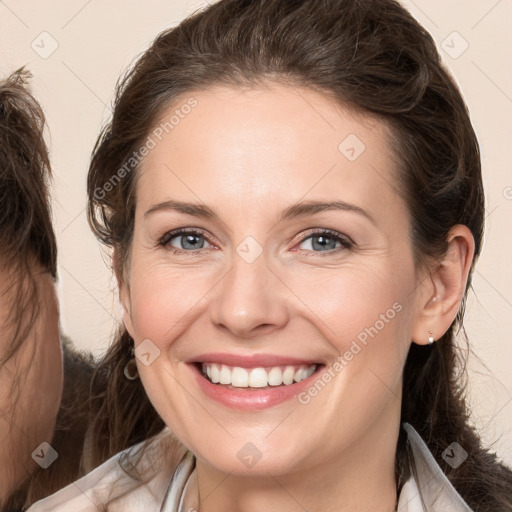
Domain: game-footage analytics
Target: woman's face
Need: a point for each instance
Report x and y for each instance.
(258, 286)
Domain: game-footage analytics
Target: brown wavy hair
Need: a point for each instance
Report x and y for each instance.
(26, 231)
(373, 56)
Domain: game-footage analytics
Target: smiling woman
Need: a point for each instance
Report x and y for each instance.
(308, 229)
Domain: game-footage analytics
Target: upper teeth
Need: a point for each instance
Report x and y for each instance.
(256, 377)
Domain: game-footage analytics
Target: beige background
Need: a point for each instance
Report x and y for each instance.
(95, 40)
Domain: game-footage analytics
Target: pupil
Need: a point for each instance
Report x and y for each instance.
(189, 239)
(322, 244)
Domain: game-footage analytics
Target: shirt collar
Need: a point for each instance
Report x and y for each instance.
(428, 488)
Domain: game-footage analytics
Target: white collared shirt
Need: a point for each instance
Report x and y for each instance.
(429, 491)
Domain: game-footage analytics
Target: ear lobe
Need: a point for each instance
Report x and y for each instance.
(440, 301)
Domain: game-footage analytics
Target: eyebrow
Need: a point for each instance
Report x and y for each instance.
(297, 210)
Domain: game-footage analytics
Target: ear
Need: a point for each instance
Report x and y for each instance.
(124, 293)
(443, 290)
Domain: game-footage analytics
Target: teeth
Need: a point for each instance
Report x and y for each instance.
(300, 375)
(275, 377)
(256, 377)
(288, 375)
(239, 378)
(215, 373)
(225, 375)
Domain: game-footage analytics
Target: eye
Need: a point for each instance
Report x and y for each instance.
(183, 240)
(190, 240)
(325, 240)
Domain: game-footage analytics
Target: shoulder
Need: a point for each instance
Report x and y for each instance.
(134, 478)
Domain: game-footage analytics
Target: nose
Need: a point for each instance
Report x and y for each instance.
(250, 300)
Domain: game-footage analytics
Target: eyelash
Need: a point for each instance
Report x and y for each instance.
(345, 242)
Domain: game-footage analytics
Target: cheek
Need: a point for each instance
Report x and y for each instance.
(364, 314)
(164, 301)
(354, 303)
(32, 407)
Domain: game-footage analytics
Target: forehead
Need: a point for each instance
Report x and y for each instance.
(256, 148)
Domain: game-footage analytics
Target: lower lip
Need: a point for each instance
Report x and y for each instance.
(251, 399)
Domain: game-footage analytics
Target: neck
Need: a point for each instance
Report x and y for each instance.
(360, 478)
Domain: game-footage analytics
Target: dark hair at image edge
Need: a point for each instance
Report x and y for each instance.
(369, 55)
(26, 233)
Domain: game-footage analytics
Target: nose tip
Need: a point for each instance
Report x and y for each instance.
(249, 302)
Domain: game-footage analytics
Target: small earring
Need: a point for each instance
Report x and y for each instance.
(431, 338)
(130, 370)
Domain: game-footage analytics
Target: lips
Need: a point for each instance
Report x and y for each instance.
(251, 361)
(252, 382)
